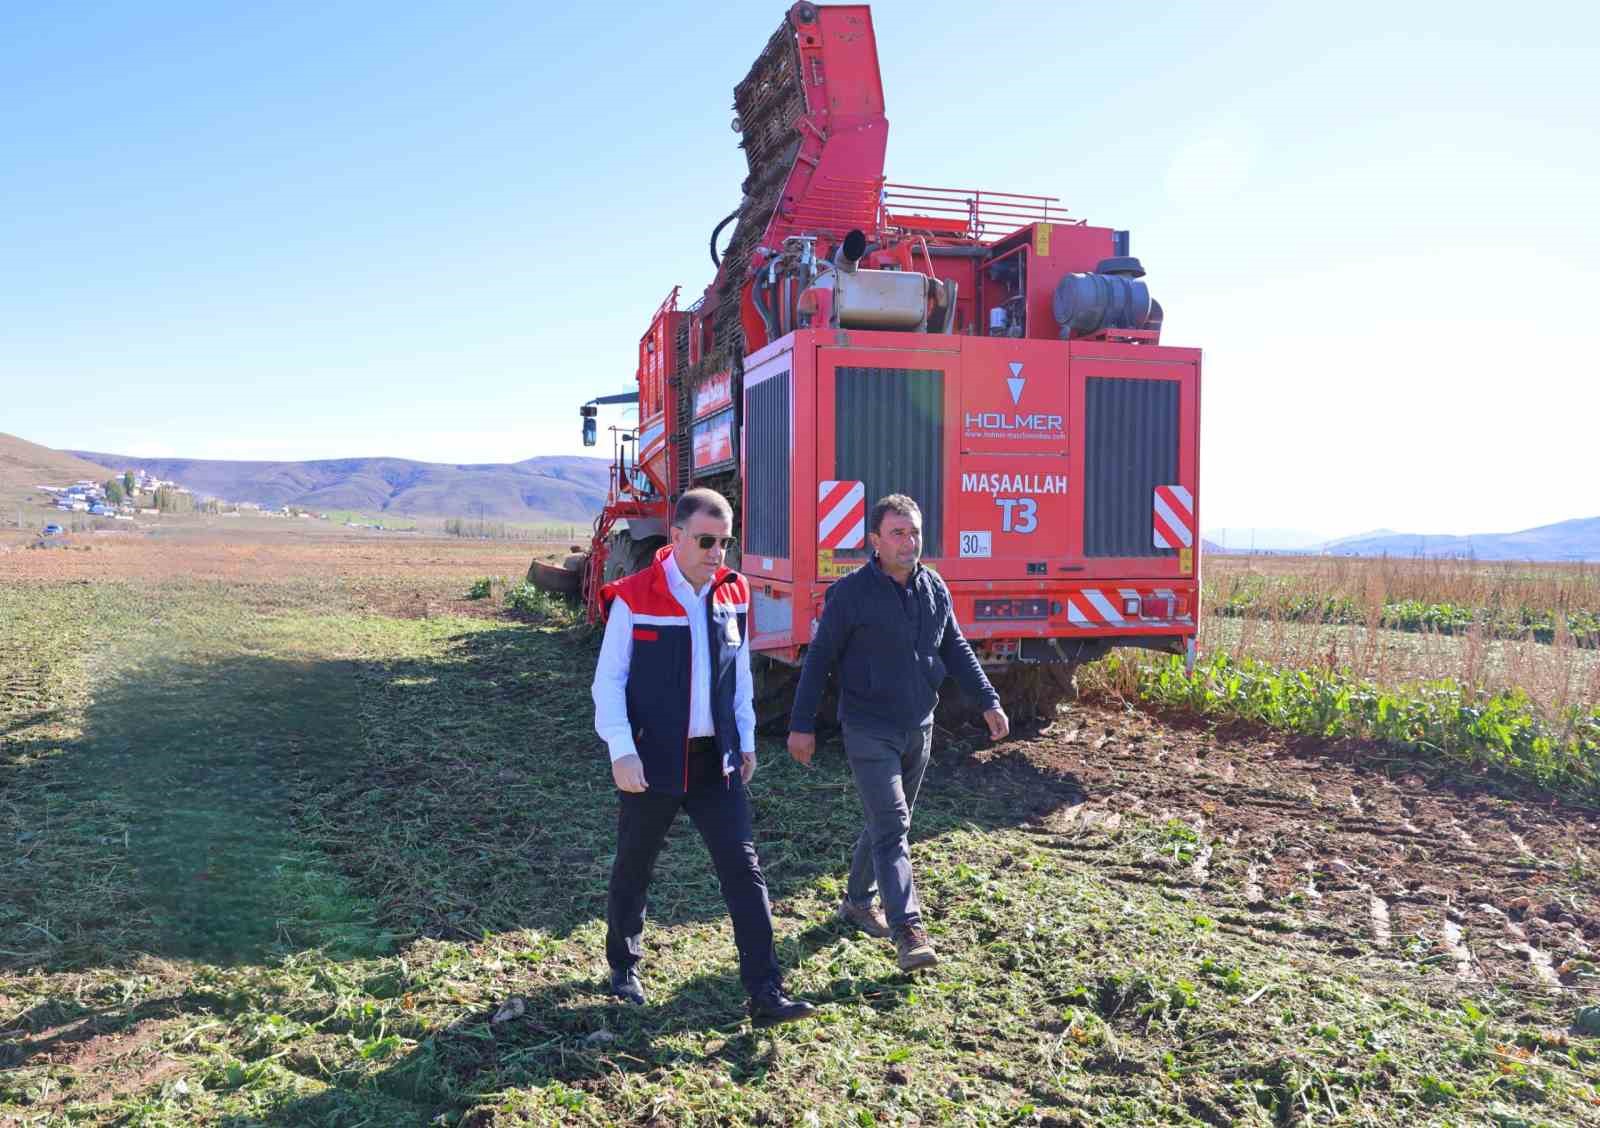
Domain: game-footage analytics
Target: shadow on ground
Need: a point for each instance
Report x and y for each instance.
(240, 808)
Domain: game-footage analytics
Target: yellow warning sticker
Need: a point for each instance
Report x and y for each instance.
(1041, 239)
(1185, 559)
(830, 569)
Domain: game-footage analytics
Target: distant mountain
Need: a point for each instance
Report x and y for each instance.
(535, 489)
(1371, 534)
(1578, 539)
(25, 465)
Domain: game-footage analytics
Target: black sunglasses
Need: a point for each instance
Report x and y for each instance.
(706, 540)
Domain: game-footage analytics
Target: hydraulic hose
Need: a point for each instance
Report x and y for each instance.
(758, 294)
(716, 259)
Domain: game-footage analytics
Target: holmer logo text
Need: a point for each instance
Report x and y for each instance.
(1000, 421)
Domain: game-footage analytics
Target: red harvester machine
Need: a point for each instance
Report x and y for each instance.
(980, 351)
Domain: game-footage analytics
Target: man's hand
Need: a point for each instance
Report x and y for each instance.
(628, 773)
(999, 724)
(802, 746)
(747, 766)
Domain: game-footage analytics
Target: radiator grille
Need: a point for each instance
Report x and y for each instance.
(889, 427)
(1130, 448)
(767, 460)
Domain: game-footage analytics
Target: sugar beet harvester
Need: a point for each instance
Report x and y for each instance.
(980, 351)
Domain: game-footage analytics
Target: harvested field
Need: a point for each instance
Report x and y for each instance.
(259, 556)
(292, 832)
(1321, 843)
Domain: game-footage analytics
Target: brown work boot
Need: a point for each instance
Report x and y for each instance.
(869, 919)
(913, 948)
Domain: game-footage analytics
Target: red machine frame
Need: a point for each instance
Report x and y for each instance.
(812, 116)
(800, 580)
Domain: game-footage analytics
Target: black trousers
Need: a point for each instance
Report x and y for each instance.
(720, 810)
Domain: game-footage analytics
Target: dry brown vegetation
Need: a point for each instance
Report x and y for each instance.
(1377, 581)
(1555, 674)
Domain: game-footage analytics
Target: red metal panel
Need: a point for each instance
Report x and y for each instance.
(1011, 491)
(1084, 609)
(1089, 359)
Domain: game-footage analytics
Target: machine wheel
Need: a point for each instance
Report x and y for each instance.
(775, 684)
(774, 693)
(1033, 694)
(644, 553)
(619, 557)
(625, 556)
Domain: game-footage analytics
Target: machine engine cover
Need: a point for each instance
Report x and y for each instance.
(880, 299)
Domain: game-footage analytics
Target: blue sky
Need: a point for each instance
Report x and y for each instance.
(301, 231)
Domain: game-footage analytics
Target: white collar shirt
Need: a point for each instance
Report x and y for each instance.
(694, 605)
(616, 652)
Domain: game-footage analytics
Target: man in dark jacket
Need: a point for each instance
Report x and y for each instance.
(673, 700)
(890, 629)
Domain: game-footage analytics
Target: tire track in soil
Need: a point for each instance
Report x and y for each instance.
(1479, 883)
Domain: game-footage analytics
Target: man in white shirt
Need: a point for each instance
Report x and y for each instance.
(674, 703)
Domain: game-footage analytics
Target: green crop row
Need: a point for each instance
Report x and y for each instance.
(1501, 730)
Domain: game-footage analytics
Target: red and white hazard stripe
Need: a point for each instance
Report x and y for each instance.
(1107, 607)
(841, 514)
(1174, 517)
(1091, 607)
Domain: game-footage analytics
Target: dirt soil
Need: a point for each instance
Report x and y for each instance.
(1338, 846)
(258, 557)
(104, 1064)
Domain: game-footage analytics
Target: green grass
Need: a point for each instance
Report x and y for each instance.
(359, 517)
(270, 858)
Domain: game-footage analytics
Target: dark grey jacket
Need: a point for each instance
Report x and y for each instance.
(893, 647)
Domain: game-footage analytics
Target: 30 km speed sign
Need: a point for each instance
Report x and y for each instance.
(975, 543)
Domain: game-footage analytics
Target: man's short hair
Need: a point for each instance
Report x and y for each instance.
(894, 503)
(701, 500)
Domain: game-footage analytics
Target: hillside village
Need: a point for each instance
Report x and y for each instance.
(136, 492)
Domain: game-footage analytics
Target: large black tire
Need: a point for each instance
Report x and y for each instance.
(774, 693)
(625, 556)
(644, 553)
(775, 684)
(619, 557)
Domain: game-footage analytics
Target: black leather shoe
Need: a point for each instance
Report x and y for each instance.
(772, 1006)
(625, 985)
